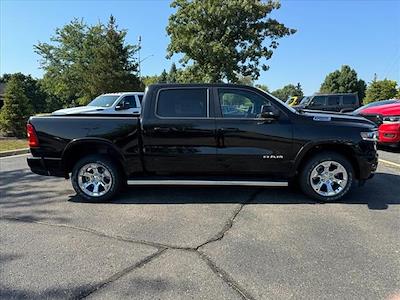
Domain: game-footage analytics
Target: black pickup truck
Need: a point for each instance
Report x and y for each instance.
(209, 134)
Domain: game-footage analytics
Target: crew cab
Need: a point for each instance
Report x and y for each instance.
(114, 103)
(387, 117)
(209, 134)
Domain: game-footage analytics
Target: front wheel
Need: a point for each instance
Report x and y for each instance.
(96, 178)
(328, 176)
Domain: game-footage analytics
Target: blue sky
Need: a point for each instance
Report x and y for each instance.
(363, 34)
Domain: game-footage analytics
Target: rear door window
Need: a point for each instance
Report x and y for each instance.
(333, 100)
(182, 103)
(349, 99)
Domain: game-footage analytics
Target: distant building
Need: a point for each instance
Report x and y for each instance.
(2, 92)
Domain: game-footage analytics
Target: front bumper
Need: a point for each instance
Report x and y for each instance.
(389, 133)
(47, 166)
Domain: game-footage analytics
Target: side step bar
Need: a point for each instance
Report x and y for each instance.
(208, 182)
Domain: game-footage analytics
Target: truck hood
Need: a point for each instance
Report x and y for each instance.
(78, 110)
(338, 118)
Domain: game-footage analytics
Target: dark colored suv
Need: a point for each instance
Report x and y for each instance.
(330, 102)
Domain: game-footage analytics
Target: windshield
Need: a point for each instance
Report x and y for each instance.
(103, 101)
(279, 100)
(304, 100)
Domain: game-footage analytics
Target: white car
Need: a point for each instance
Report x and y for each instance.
(114, 103)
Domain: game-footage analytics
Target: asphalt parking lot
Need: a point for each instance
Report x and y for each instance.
(198, 242)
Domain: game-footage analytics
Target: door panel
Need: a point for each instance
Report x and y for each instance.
(248, 144)
(254, 147)
(181, 139)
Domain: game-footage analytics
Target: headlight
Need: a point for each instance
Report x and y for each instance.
(391, 119)
(369, 136)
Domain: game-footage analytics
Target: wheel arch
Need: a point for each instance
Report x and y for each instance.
(78, 148)
(341, 148)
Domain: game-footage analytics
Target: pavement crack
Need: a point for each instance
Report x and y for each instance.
(119, 274)
(88, 230)
(161, 248)
(228, 225)
(225, 277)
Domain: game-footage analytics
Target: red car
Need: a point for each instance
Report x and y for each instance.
(387, 116)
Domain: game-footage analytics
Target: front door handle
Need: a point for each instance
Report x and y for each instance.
(229, 129)
(162, 129)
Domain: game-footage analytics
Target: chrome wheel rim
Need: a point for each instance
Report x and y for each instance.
(94, 179)
(329, 178)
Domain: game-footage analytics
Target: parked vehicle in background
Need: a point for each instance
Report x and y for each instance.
(208, 134)
(387, 117)
(330, 102)
(373, 104)
(113, 103)
(294, 100)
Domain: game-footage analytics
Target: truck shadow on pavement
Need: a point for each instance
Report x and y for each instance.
(378, 193)
(28, 197)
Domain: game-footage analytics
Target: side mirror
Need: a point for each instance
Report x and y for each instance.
(122, 105)
(268, 112)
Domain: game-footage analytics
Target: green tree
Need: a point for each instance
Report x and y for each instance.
(287, 91)
(222, 39)
(32, 90)
(84, 61)
(262, 86)
(148, 80)
(245, 80)
(380, 90)
(163, 78)
(173, 74)
(344, 80)
(16, 109)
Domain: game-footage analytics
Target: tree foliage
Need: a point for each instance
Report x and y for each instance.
(17, 107)
(83, 61)
(263, 87)
(173, 74)
(344, 80)
(289, 90)
(32, 89)
(221, 39)
(380, 90)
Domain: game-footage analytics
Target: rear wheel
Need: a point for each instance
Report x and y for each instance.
(326, 177)
(96, 178)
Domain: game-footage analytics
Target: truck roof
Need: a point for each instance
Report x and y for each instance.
(123, 93)
(332, 94)
(163, 85)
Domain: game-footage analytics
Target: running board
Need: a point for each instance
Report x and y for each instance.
(208, 182)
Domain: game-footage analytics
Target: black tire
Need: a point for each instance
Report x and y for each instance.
(313, 162)
(112, 168)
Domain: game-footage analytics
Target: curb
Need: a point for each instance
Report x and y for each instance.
(14, 152)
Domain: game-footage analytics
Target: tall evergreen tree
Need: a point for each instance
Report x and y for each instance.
(173, 74)
(344, 80)
(380, 90)
(163, 77)
(84, 61)
(32, 90)
(16, 109)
